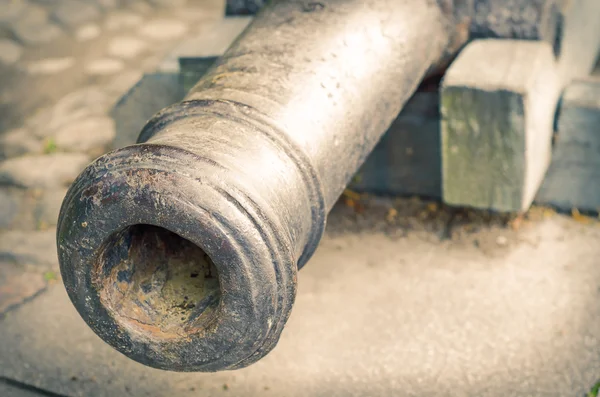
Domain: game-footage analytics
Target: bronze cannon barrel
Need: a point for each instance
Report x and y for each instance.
(182, 251)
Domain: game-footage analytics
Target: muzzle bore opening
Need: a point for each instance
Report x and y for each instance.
(156, 284)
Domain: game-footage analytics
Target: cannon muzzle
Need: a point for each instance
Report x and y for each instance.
(182, 251)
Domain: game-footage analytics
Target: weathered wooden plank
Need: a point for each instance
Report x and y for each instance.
(498, 101)
(573, 179)
(407, 159)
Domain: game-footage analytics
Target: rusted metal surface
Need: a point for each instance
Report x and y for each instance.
(244, 171)
(156, 283)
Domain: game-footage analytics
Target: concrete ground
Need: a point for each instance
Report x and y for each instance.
(385, 308)
(403, 297)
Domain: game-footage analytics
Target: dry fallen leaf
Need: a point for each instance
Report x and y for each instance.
(516, 223)
(391, 215)
(351, 195)
(549, 212)
(578, 217)
(350, 203)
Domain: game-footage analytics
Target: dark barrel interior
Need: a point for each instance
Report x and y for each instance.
(156, 283)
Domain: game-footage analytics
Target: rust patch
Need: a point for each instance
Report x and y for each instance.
(156, 284)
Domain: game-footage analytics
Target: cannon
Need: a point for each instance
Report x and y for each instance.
(182, 250)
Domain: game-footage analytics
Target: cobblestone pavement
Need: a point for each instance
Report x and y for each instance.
(64, 64)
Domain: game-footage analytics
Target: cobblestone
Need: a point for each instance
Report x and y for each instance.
(126, 47)
(121, 83)
(18, 142)
(31, 27)
(17, 285)
(104, 67)
(167, 3)
(43, 171)
(30, 209)
(150, 63)
(107, 5)
(140, 7)
(31, 15)
(51, 65)
(35, 248)
(48, 207)
(33, 35)
(72, 13)
(163, 29)
(87, 32)
(11, 10)
(195, 14)
(21, 203)
(102, 42)
(122, 20)
(9, 206)
(86, 102)
(90, 134)
(10, 52)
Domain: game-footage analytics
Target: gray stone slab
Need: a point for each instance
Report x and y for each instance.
(580, 38)
(210, 43)
(192, 70)
(30, 248)
(9, 206)
(573, 179)
(18, 284)
(151, 94)
(176, 74)
(11, 390)
(374, 316)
